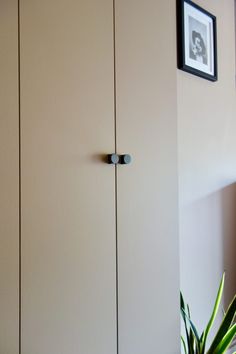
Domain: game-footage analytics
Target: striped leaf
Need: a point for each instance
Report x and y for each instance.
(194, 332)
(226, 341)
(214, 313)
(184, 345)
(225, 325)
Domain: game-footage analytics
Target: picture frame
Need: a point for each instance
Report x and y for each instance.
(196, 40)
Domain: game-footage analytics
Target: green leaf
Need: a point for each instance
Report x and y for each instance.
(184, 345)
(182, 307)
(226, 341)
(182, 304)
(189, 315)
(191, 342)
(192, 326)
(191, 335)
(194, 331)
(214, 313)
(225, 325)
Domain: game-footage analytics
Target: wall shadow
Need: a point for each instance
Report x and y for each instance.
(228, 200)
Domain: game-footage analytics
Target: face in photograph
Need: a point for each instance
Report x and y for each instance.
(198, 38)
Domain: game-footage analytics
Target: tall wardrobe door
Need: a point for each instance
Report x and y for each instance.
(68, 217)
(147, 188)
(9, 179)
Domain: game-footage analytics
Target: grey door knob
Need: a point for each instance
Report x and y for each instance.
(125, 159)
(112, 159)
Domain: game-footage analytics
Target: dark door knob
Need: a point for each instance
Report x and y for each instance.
(125, 159)
(112, 159)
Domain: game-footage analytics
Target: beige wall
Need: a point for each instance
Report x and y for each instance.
(207, 172)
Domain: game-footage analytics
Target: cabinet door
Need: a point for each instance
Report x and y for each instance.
(68, 215)
(147, 188)
(9, 179)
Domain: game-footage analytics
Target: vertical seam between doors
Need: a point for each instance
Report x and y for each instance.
(116, 176)
(114, 70)
(19, 141)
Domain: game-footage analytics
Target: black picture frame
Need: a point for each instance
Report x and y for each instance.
(196, 40)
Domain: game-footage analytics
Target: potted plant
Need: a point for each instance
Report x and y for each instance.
(195, 343)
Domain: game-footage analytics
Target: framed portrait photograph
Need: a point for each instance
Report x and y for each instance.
(196, 40)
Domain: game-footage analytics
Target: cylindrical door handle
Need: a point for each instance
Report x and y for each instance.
(112, 159)
(125, 159)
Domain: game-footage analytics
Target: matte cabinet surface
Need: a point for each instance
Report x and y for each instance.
(147, 189)
(9, 179)
(68, 202)
(99, 244)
